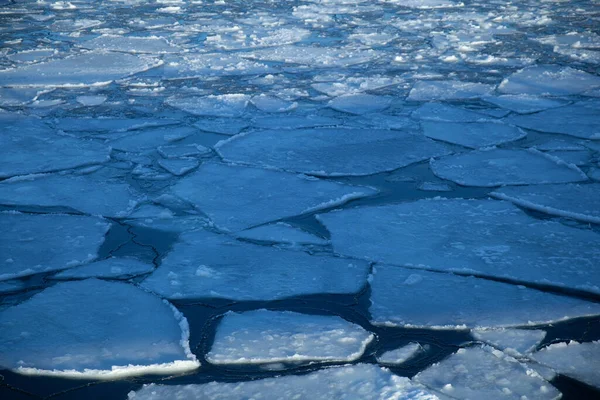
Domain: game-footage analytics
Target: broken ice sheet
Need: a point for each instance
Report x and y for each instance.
(577, 201)
(213, 64)
(330, 151)
(85, 69)
(272, 104)
(281, 232)
(524, 103)
(576, 360)
(443, 112)
(179, 166)
(497, 167)
(183, 150)
(224, 126)
(514, 342)
(114, 268)
(224, 105)
(59, 331)
(89, 126)
(314, 56)
(364, 381)
(147, 139)
(422, 299)
(89, 194)
(548, 80)
(360, 103)
(237, 198)
(264, 336)
(481, 372)
(400, 355)
(130, 44)
(294, 122)
(448, 90)
(483, 237)
(32, 244)
(473, 135)
(90, 101)
(209, 265)
(11, 97)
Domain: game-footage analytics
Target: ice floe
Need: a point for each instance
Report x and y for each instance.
(483, 237)
(31, 244)
(448, 90)
(443, 112)
(94, 329)
(514, 342)
(281, 232)
(224, 105)
(130, 44)
(208, 265)
(473, 135)
(179, 166)
(183, 150)
(400, 355)
(264, 336)
(548, 80)
(524, 103)
(360, 103)
(577, 360)
(147, 139)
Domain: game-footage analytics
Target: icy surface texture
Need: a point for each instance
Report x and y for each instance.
(515, 342)
(577, 360)
(400, 355)
(484, 237)
(32, 244)
(207, 265)
(59, 330)
(281, 232)
(472, 135)
(264, 336)
(365, 381)
(114, 268)
(549, 81)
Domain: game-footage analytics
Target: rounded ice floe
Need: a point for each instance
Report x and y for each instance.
(31, 244)
(577, 201)
(208, 265)
(84, 193)
(484, 373)
(409, 298)
(483, 237)
(360, 103)
(281, 232)
(577, 360)
(400, 355)
(147, 139)
(497, 167)
(243, 197)
(578, 120)
(426, 4)
(130, 44)
(524, 103)
(473, 135)
(115, 268)
(448, 90)
(315, 56)
(224, 105)
(90, 101)
(272, 104)
(514, 342)
(548, 80)
(444, 112)
(361, 381)
(94, 329)
(191, 66)
(434, 187)
(263, 336)
(330, 151)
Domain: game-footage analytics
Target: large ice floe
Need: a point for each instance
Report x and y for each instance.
(94, 329)
(473, 135)
(411, 298)
(497, 167)
(364, 381)
(483, 237)
(32, 244)
(237, 198)
(577, 360)
(208, 265)
(549, 80)
(330, 151)
(264, 336)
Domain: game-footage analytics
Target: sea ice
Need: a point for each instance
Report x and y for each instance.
(524, 103)
(444, 112)
(191, 66)
(263, 336)
(330, 151)
(577, 201)
(89, 126)
(130, 44)
(360, 103)
(147, 139)
(480, 373)
(31, 244)
(272, 104)
(314, 56)
(473, 135)
(514, 342)
(448, 90)
(223, 105)
(223, 126)
(360, 381)
(294, 122)
(208, 265)
(237, 198)
(113, 268)
(577, 360)
(94, 329)
(281, 232)
(548, 80)
(497, 167)
(482, 237)
(183, 150)
(179, 166)
(400, 355)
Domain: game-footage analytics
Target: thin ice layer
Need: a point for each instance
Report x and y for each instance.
(84, 193)
(400, 355)
(444, 112)
(364, 381)
(237, 198)
(31, 244)
(130, 44)
(484, 237)
(208, 265)
(281, 232)
(483, 373)
(113, 268)
(579, 120)
(94, 329)
(580, 202)
(330, 151)
(223, 105)
(264, 336)
(360, 103)
(147, 139)
(473, 135)
(548, 80)
(411, 298)
(448, 90)
(577, 360)
(524, 103)
(514, 342)
(497, 167)
(86, 69)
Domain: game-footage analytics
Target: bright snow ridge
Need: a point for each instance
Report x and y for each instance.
(264, 336)
(482, 237)
(94, 329)
(209, 265)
